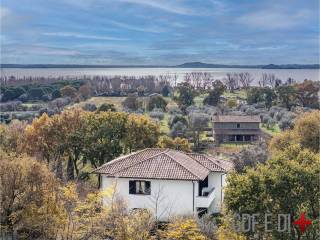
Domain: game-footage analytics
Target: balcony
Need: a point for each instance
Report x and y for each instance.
(206, 200)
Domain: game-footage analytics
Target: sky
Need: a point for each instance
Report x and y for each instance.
(159, 32)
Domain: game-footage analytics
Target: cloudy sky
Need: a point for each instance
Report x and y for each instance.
(159, 31)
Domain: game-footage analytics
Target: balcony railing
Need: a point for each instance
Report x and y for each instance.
(206, 200)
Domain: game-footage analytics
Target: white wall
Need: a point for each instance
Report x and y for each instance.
(174, 197)
(216, 179)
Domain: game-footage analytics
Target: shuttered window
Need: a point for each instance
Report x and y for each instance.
(139, 187)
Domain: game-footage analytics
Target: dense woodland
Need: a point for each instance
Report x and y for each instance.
(48, 191)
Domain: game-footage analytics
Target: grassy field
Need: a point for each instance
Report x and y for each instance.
(271, 131)
(198, 100)
(100, 100)
(237, 93)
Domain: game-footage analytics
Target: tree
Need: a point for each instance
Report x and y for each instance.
(232, 81)
(12, 136)
(177, 143)
(307, 93)
(245, 79)
(214, 95)
(131, 102)
(268, 79)
(12, 93)
(287, 184)
(305, 132)
(231, 103)
(165, 91)
(140, 132)
(106, 107)
(140, 90)
(40, 139)
(179, 129)
(29, 204)
(287, 96)
(198, 121)
(68, 91)
(157, 102)
(177, 118)
(56, 94)
(261, 94)
(104, 135)
(35, 93)
(251, 156)
(85, 91)
(186, 93)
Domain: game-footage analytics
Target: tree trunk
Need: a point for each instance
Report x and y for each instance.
(76, 167)
(59, 169)
(70, 170)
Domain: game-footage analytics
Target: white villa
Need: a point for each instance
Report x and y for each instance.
(167, 182)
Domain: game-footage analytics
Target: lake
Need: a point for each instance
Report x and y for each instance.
(218, 73)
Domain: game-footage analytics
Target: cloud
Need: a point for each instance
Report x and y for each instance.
(84, 36)
(9, 20)
(170, 6)
(272, 19)
(152, 29)
(24, 49)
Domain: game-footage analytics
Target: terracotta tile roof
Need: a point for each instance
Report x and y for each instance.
(214, 164)
(156, 163)
(238, 119)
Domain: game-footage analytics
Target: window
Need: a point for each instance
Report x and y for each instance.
(140, 187)
(238, 125)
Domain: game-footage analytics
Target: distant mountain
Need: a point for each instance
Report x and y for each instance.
(269, 66)
(184, 65)
(292, 66)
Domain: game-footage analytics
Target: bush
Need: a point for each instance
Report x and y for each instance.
(60, 102)
(56, 94)
(23, 97)
(231, 103)
(12, 93)
(251, 156)
(90, 107)
(177, 118)
(35, 93)
(131, 102)
(157, 113)
(105, 107)
(157, 102)
(179, 129)
(10, 106)
(68, 91)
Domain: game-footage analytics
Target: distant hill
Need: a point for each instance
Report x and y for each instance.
(269, 66)
(184, 65)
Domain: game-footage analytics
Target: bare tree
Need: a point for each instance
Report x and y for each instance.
(232, 81)
(196, 78)
(263, 82)
(174, 78)
(268, 80)
(187, 78)
(245, 79)
(207, 80)
(160, 204)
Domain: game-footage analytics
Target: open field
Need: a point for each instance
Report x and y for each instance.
(100, 100)
(236, 93)
(271, 131)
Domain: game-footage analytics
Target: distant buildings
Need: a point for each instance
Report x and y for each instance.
(229, 128)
